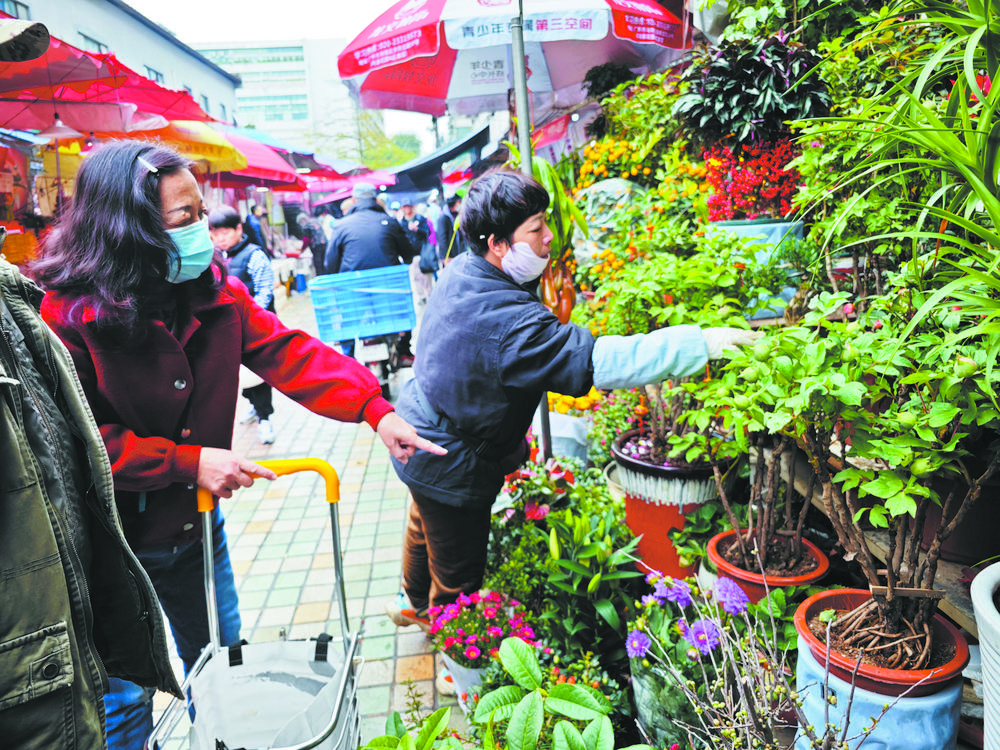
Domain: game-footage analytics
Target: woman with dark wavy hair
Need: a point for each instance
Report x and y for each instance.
(157, 332)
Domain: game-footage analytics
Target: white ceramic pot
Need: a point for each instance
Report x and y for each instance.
(984, 585)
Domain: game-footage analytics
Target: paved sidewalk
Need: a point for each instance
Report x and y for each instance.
(280, 544)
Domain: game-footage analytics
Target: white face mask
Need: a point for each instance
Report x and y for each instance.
(521, 263)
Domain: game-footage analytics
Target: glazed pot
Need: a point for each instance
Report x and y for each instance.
(656, 501)
(754, 583)
(879, 679)
(984, 590)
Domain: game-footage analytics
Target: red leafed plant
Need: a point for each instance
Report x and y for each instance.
(754, 183)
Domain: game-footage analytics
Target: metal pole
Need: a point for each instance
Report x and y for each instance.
(523, 111)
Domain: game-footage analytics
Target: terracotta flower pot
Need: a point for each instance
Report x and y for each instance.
(656, 501)
(889, 682)
(753, 583)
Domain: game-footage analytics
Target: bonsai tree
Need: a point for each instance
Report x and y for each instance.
(889, 425)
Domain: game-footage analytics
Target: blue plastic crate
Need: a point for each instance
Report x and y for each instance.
(363, 304)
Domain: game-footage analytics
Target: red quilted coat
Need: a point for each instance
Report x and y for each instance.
(156, 405)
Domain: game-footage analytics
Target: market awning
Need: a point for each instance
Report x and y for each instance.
(425, 173)
(264, 166)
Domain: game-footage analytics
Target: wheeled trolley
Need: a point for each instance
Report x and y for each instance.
(281, 695)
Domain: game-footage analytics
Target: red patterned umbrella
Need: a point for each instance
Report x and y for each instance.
(453, 56)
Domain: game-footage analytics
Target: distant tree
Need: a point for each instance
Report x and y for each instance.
(362, 138)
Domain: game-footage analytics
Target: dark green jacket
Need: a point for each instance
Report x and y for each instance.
(75, 604)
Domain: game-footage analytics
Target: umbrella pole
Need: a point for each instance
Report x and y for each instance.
(524, 146)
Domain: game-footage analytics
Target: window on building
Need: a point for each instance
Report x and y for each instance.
(222, 111)
(92, 45)
(154, 75)
(189, 89)
(204, 103)
(16, 9)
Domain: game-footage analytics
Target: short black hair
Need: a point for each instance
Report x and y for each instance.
(451, 201)
(498, 203)
(224, 217)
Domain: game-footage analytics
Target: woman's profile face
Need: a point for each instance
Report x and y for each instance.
(536, 233)
(180, 200)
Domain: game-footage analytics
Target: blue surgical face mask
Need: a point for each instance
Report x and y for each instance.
(194, 250)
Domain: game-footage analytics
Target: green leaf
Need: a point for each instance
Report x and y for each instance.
(887, 485)
(567, 737)
(502, 700)
(388, 741)
(575, 701)
(526, 723)
(521, 663)
(599, 734)
(394, 725)
(406, 743)
(608, 613)
(433, 725)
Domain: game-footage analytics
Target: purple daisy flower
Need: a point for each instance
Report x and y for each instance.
(703, 634)
(679, 592)
(649, 599)
(732, 598)
(637, 644)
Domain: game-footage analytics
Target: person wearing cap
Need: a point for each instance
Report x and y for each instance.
(367, 237)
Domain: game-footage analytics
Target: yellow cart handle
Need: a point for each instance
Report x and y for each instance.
(282, 467)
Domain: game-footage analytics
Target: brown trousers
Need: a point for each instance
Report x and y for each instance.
(444, 551)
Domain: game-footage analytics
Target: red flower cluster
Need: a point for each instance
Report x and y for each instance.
(755, 183)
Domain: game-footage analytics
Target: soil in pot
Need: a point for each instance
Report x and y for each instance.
(949, 656)
(780, 561)
(784, 571)
(941, 653)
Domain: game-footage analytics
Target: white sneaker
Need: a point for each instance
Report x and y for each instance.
(265, 432)
(250, 415)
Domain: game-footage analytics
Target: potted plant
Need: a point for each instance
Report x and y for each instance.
(540, 710)
(709, 672)
(468, 633)
(662, 464)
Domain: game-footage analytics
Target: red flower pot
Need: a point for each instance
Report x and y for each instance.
(656, 501)
(879, 679)
(753, 583)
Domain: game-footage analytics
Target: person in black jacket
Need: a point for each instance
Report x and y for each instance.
(368, 238)
(447, 248)
(248, 262)
(487, 352)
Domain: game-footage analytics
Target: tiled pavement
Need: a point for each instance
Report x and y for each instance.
(280, 545)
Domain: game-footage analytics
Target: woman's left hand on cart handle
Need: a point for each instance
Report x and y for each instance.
(402, 439)
(221, 471)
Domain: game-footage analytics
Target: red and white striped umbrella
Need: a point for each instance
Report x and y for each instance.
(453, 56)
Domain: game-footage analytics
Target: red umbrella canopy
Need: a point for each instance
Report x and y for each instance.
(147, 95)
(62, 67)
(453, 56)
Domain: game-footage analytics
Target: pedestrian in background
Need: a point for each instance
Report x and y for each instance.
(251, 265)
(450, 242)
(157, 332)
(367, 237)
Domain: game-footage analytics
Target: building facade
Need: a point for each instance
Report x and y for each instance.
(147, 48)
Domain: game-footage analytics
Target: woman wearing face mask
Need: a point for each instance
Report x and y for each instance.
(488, 349)
(157, 332)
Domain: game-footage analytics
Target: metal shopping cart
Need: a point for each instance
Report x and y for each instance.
(281, 695)
(372, 307)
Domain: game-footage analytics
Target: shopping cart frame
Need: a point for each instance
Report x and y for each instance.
(179, 708)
